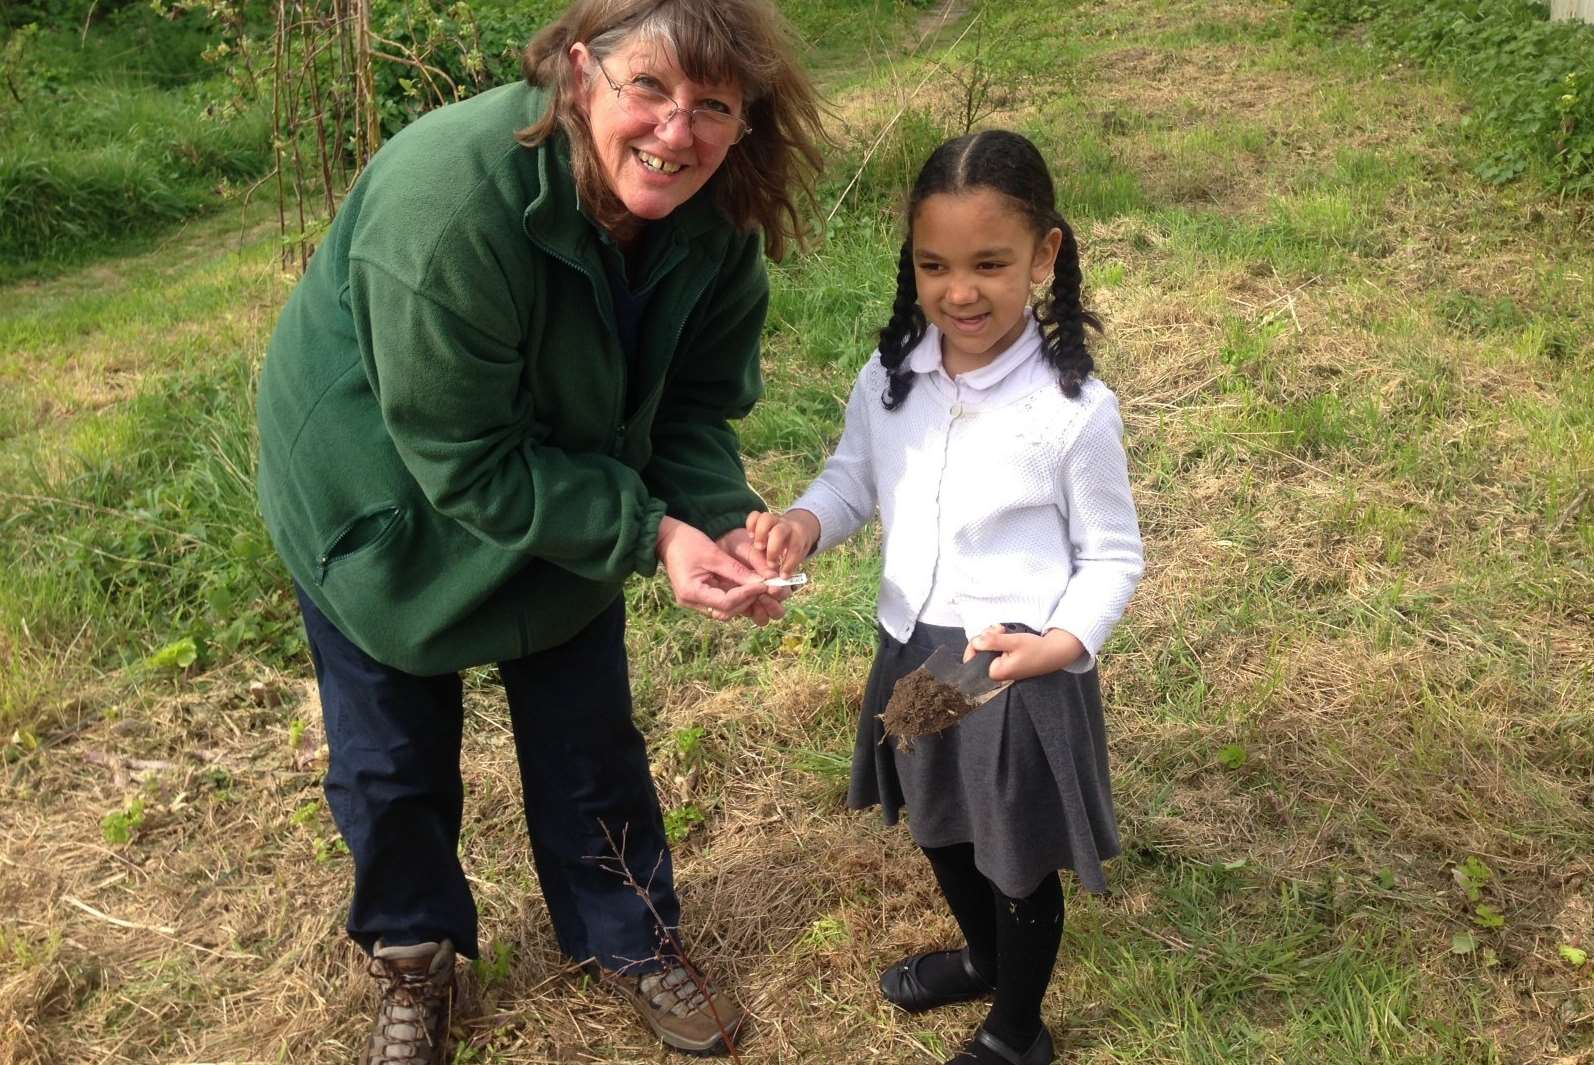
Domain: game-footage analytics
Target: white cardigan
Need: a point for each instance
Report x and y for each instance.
(1001, 499)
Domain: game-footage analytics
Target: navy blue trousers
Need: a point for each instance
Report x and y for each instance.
(396, 793)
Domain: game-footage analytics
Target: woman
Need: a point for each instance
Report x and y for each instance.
(502, 387)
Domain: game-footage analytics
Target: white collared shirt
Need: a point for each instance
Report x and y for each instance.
(1001, 499)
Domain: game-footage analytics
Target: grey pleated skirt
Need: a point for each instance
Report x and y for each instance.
(1023, 778)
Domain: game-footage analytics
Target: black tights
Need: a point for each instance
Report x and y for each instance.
(1013, 940)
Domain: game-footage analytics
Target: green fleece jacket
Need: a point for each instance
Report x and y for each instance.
(457, 463)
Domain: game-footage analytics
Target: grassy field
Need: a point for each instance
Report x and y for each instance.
(1350, 706)
(114, 126)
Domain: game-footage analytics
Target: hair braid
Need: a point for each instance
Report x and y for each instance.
(903, 332)
(1063, 318)
(1009, 164)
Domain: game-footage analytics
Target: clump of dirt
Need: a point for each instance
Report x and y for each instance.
(921, 705)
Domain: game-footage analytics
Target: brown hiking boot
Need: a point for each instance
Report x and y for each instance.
(678, 1011)
(418, 992)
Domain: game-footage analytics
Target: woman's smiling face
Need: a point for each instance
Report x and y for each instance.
(652, 169)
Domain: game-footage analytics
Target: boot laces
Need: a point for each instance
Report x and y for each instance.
(411, 1000)
(673, 990)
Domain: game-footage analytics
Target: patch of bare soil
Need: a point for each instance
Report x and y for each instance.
(932, 22)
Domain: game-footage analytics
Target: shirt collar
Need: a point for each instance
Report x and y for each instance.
(926, 357)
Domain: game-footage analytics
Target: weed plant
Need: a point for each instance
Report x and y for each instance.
(1531, 79)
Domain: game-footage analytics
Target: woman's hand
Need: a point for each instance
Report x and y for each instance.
(703, 577)
(738, 543)
(1021, 655)
(784, 540)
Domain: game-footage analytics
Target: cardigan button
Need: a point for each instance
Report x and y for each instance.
(957, 410)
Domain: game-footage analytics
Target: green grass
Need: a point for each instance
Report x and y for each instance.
(122, 130)
(1318, 987)
(1526, 75)
(126, 474)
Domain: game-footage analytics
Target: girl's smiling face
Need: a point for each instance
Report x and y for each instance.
(653, 169)
(975, 259)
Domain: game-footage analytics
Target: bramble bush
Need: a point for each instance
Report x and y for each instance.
(1530, 79)
(467, 47)
(119, 117)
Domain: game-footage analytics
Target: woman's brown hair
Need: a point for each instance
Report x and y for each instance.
(768, 177)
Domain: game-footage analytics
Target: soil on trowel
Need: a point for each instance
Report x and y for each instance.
(921, 705)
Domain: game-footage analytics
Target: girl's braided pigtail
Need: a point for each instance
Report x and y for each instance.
(902, 333)
(1063, 319)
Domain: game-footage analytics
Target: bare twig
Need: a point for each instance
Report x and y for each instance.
(880, 138)
(160, 930)
(116, 761)
(1572, 510)
(413, 60)
(117, 921)
(88, 18)
(277, 121)
(623, 870)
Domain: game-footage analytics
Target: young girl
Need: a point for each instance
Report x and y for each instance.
(997, 464)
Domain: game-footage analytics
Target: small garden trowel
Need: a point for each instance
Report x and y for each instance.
(972, 679)
(941, 692)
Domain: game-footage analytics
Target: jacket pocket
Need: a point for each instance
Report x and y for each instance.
(359, 535)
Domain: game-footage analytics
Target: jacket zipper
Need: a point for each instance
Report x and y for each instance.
(619, 420)
(598, 298)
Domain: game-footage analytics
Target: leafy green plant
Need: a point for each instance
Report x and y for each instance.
(22, 953)
(689, 744)
(679, 822)
(1470, 876)
(175, 656)
(827, 931)
(220, 781)
(431, 55)
(119, 826)
(492, 968)
(329, 848)
(1233, 756)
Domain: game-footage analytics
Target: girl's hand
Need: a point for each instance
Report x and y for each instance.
(704, 577)
(1022, 655)
(785, 540)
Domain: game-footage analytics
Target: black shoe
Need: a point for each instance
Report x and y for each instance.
(901, 985)
(985, 1047)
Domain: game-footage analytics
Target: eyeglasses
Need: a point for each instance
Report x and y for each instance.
(719, 128)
